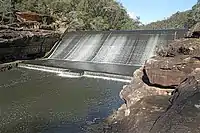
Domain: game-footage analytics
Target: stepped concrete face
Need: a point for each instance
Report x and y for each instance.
(114, 47)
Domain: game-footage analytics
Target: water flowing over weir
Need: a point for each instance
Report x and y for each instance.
(114, 47)
(112, 52)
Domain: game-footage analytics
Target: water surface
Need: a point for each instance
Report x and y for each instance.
(39, 102)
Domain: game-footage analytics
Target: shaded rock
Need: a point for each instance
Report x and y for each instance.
(139, 89)
(142, 115)
(169, 72)
(183, 115)
(148, 107)
(163, 114)
(17, 44)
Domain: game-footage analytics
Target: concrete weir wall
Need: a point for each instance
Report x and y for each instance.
(114, 47)
(20, 45)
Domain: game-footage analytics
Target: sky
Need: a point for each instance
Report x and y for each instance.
(153, 10)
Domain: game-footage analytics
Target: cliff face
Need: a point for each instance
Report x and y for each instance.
(19, 43)
(164, 94)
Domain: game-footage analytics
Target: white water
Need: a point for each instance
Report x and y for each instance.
(86, 48)
(110, 47)
(63, 73)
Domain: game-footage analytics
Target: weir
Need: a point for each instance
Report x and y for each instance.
(77, 86)
(115, 47)
(112, 52)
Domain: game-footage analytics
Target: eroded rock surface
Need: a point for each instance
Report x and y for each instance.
(19, 43)
(183, 115)
(164, 96)
(168, 71)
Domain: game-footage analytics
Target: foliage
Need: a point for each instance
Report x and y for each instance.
(185, 19)
(81, 14)
(177, 20)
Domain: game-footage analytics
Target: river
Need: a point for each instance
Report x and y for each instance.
(40, 102)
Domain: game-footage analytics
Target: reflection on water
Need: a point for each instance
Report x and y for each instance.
(40, 102)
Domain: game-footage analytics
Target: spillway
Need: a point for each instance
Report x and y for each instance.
(113, 47)
(118, 53)
(77, 86)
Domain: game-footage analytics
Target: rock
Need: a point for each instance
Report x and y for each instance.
(183, 115)
(168, 71)
(155, 114)
(18, 44)
(142, 115)
(139, 89)
(185, 46)
(148, 107)
(32, 16)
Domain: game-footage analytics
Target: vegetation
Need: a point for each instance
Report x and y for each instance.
(74, 14)
(185, 19)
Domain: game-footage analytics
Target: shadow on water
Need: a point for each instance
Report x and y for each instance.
(41, 125)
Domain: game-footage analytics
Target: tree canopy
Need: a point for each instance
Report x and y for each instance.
(76, 14)
(185, 19)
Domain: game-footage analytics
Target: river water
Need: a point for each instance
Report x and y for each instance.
(40, 102)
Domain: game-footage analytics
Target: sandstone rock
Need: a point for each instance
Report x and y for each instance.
(142, 115)
(147, 101)
(16, 44)
(139, 89)
(155, 114)
(186, 46)
(32, 16)
(168, 71)
(183, 115)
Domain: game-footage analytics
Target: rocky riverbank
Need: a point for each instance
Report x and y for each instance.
(19, 43)
(164, 95)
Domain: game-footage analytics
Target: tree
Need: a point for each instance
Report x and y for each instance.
(82, 14)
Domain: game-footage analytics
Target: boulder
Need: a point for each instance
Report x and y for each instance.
(168, 71)
(186, 46)
(183, 115)
(138, 89)
(179, 113)
(142, 115)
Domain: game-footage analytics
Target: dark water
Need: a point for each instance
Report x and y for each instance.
(40, 102)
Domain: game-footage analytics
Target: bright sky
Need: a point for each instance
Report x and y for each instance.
(152, 10)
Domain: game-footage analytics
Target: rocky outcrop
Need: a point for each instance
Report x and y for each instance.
(164, 94)
(32, 16)
(186, 46)
(138, 89)
(169, 71)
(19, 43)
